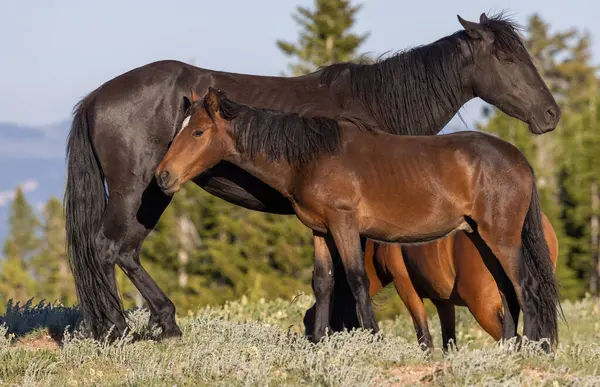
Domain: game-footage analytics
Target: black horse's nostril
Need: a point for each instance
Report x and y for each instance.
(551, 114)
(163, 178)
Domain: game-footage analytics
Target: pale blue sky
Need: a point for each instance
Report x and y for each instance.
(53, 52)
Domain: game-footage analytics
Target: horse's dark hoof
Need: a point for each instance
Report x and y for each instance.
(315, 338)
(135, 337)
(171, 333)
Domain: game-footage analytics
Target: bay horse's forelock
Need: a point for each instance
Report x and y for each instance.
(130, 121)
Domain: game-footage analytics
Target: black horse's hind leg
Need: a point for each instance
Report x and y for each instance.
(142, 219)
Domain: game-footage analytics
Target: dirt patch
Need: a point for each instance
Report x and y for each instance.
(41, 340)
(416, 374)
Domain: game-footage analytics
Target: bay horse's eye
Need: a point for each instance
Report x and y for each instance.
(197, 133)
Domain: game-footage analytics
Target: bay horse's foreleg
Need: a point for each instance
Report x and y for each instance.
(162, 309)
(447, 314)
(344, 229)
(323, 282)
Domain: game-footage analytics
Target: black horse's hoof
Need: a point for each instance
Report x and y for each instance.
(315, 339)
(171, 333)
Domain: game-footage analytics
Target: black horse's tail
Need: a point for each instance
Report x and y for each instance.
(85, 201)
(538, 282)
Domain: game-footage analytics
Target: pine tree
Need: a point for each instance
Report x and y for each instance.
(325, 36)
(21, 243)
(51, 265)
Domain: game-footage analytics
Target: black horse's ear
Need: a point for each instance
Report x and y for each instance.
(213, 99)
(476, 31)
(483, 18)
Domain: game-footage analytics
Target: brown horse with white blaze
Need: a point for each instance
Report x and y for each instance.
(345, 180)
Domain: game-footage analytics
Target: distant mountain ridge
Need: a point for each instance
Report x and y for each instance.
(34, 155)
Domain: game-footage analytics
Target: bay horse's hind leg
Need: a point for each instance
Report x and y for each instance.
(509, 297)
(143, 215)
(344, 229)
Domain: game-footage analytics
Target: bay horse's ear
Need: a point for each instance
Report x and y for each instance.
(212, 100)
(483, 18)
(194, 96)
(476, 31)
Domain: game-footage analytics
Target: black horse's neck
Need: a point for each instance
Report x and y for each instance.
(415, 92)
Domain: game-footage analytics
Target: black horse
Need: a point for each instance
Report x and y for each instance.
(122, 130)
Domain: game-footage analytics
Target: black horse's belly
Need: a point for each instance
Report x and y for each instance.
(237, 186)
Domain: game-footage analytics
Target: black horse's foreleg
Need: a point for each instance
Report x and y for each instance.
(344, 229)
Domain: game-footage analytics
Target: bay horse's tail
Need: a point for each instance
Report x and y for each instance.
(538, 282)
(85, 201)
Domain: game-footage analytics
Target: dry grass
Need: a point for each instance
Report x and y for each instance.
(245, 343)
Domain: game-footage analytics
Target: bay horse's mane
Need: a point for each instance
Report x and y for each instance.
(406, 88)
(297, 138)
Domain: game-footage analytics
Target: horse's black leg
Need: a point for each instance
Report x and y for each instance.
(343, 313)
(162, 309)
(447, 315)
(323, 282)
(343, 306)
(511, 308)
(344, 229)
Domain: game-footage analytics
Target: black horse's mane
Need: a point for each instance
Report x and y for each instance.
(296, 138)
(408, 87)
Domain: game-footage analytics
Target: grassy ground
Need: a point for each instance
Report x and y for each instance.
(245, 343)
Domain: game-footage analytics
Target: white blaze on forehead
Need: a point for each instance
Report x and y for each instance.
(185, 123)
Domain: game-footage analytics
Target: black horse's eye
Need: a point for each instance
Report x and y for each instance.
(197, 133)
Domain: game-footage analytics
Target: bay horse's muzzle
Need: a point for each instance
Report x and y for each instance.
(167, 182)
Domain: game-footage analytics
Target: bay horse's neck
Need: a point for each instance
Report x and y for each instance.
(416, 92)
(278, 175)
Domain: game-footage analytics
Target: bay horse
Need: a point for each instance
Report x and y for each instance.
(122, 130)
(448, 271)
(345, 179)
